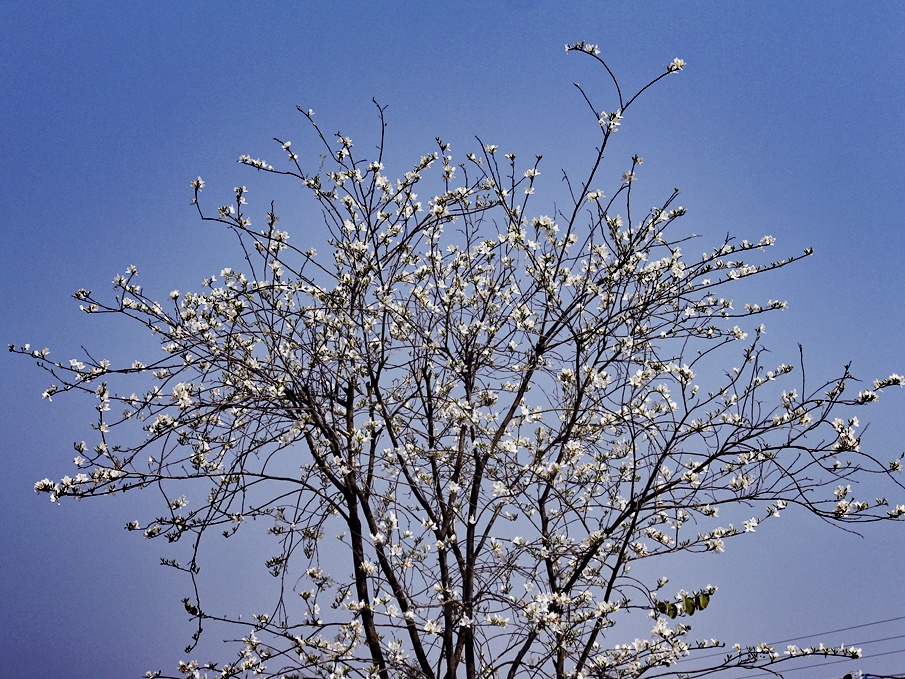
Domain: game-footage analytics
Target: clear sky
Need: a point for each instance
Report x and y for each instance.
(788, 120)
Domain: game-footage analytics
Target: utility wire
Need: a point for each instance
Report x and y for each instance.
(865, 675)
(808, 636)
(877, 641)
(834, 662)
(841, 629)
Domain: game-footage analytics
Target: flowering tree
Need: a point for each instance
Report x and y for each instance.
(466, 424)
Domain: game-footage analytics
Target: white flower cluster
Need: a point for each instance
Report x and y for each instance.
(611, 121)
(256, 163)
(586, 47)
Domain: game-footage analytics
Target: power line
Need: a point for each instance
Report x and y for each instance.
(809, 636)
(877, 655)
(841, 629)
(877, 641)
(834, 662)
(831, 662)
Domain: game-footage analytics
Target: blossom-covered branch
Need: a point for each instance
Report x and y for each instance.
(496, 408)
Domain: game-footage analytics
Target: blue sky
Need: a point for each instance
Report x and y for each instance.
(787, 120)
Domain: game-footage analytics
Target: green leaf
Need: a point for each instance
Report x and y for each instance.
(702, 599)
(688, 603)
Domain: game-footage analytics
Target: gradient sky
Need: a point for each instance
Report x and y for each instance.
(788, 120)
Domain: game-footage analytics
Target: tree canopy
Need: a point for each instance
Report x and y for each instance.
(467, 423)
